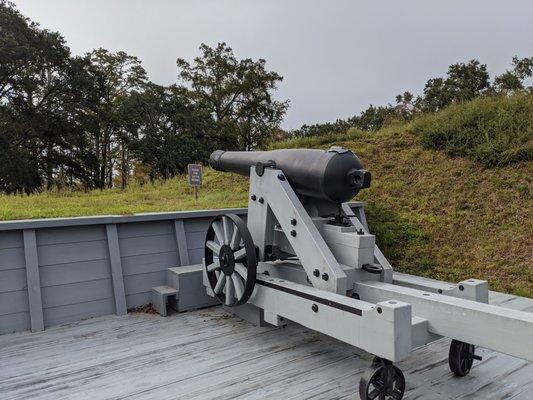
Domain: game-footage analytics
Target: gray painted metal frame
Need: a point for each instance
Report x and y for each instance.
(280, 199)
(455, 311)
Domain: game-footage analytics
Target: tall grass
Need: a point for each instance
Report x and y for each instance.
(493, 130)
(218, 191)
(315, 141)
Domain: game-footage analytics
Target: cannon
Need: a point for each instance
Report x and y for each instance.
(335, 175)
(305, 254)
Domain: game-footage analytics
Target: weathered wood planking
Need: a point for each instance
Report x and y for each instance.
(207, 355)
(147, 250)
(14, 304)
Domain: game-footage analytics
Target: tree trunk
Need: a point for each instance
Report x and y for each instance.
(124, 168)
(49, 169)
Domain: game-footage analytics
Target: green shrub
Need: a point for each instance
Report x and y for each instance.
(493, 130)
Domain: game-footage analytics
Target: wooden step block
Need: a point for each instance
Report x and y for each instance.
(192, 294)
(160, 297)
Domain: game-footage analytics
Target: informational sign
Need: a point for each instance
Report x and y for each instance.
(195, 177)
(195, 174)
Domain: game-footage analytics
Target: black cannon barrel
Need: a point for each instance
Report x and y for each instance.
(335, 175)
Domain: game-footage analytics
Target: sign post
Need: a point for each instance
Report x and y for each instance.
(195, 177)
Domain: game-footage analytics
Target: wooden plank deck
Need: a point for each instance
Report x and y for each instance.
(207, 354)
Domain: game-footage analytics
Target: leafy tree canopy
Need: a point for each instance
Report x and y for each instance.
(238, 92)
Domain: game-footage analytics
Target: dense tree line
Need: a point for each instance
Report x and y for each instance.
(94, 121)
(463, 82)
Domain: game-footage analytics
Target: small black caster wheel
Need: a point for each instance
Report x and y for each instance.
(461, 358)
(382, 381)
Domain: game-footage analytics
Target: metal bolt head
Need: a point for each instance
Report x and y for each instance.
(261, 200)
(314, 307)
(293, 233)
(293, 222)
(281, 177)
(253, 197)
(316, 273)
(325, 276)
(380, 310)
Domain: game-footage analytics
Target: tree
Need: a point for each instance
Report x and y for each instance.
(115, 76)
(36, 93)
(167, 130)
(463, 83)
(237, 93)
(373, 118)
(405, 107)
(339, 126)
(514, 79)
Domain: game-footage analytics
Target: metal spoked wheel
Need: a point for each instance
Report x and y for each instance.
(461, 357)
(382, 381)
(230, 260)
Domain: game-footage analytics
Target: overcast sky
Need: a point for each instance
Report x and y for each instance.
(337, 57)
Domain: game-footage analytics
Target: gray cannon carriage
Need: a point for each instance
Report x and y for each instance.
(306, 255)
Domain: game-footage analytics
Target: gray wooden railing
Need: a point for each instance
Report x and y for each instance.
(60, 270)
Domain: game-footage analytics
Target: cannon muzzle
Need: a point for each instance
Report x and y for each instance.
(335, 175)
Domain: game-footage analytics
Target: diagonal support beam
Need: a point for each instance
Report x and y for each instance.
(277, 195)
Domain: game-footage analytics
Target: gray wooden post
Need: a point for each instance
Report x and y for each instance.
(33, 280)
(116, 269)
(181, 241)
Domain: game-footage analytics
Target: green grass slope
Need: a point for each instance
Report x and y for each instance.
(219, 191)
(434, 215)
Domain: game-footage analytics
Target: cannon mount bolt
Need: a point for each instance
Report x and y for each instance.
(293, 222)
(293, 233)
(314, 307)
(316, 273)
(325, 276)
(261, 200)
(253, 197)
(281, 177)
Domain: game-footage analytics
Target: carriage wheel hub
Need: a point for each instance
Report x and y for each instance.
(227, 260)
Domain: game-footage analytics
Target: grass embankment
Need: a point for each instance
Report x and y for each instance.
(493, 130)
(433, 215)
(443, 217)
(219, 191)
